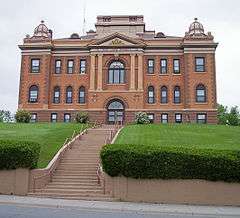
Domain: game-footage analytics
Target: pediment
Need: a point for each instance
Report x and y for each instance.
(117, 40)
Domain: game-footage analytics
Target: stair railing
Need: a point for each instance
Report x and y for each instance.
(61, 152)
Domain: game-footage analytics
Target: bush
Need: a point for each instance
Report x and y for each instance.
(149, 162)
(23, 116)
(141, 118)
(18, 154)
(82, 117)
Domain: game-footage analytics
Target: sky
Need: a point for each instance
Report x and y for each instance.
(173, 17)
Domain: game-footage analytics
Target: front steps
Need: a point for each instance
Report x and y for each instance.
(76, 175)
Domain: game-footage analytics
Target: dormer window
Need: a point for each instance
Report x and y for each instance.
(107, 19)
(132, 19)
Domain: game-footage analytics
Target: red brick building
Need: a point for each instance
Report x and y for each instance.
(118, 70)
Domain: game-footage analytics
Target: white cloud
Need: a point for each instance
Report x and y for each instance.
(18, 18)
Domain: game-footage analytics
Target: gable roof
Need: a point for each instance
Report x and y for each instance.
(117, 40)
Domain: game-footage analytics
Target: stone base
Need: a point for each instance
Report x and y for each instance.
(188, 116)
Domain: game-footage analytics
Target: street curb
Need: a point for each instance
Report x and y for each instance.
(119, 206)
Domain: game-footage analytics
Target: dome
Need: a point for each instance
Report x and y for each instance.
(196, 28)
(74, 36)
(41, 31)
(160, 35)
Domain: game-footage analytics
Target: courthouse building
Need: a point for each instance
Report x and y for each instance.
(117, 70)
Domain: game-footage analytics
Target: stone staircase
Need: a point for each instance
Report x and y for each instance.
(76, 175)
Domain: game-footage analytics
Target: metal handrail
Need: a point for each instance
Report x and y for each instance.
(49, 173)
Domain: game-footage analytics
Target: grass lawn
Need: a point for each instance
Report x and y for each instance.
(51, 136)
(186, 135)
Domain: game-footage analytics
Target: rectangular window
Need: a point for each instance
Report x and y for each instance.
(53, 117)
(176, 66)
(70, 66)
(57, 66)
(163, 66)
(164, 118)
(35, 65)
(177, 97)
(201, 95)
(200, 64)
(150, 66)
(178, 118)
(33, 96)
(201, 118)
(56, 97)
(33, 118)
(151, 118)
(81, 97)
(164, 99)
(67, 118)
(82, 66)
(151, 97)
(69, 97)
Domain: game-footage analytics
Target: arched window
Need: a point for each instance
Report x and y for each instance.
(33, 94)
(82, 95)
(200, 93)
(164, 95)
(116, 73)
(115, 105)
(56, 95)
(151, 98)
(177, 95)
(69, 95)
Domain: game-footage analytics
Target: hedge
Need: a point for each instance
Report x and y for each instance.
(18, 154)
(138, 161)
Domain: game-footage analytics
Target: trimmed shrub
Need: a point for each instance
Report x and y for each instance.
(23, 116)
(18, 154)
(82, 117)
(141, 118)
(138, 161)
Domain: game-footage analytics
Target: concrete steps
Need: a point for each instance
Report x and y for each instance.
(76, 175)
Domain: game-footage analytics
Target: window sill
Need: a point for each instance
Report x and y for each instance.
(81, 104)
(200, 72)
(199, 103)
(116, 84)
(150, 74)
(176, 74)
(151, 103)
(163, 74)
(33, 102)
(34, 73)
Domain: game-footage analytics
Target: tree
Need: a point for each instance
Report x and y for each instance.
(5, 116)
(222, 114)
(233, 116)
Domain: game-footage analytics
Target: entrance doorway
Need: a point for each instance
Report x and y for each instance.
(115, 112)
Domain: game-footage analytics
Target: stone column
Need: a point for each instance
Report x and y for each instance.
(140, 72)
(100, 72)
(132, 72)
(92, 73)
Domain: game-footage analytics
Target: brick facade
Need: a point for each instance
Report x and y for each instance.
(113, 42)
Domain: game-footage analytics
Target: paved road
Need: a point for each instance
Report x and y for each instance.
(29, 211)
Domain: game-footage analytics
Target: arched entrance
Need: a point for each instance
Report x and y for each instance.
(115, 111)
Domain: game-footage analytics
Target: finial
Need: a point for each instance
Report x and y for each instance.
(195, 19)
(42, 21)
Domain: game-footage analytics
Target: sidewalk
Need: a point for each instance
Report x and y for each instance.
(120, 206)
